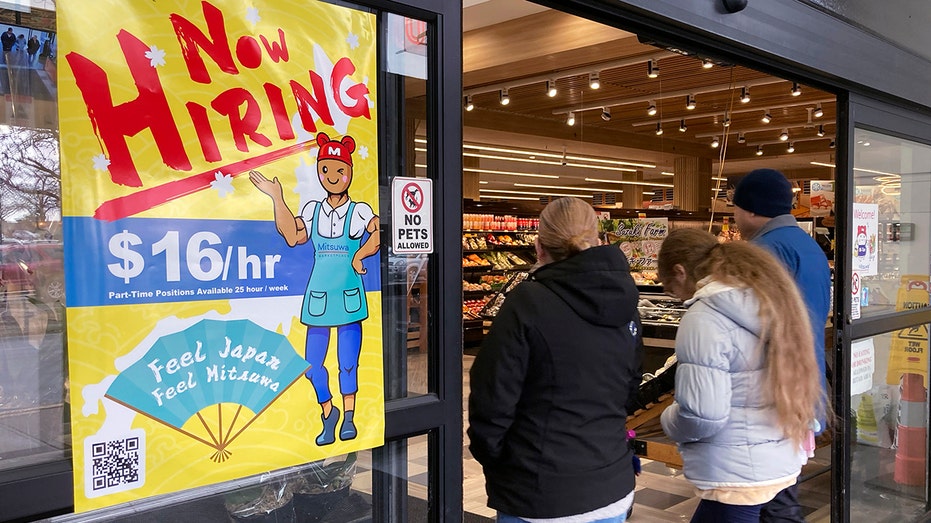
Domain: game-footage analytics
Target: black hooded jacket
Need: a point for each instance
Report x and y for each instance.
(551, 385)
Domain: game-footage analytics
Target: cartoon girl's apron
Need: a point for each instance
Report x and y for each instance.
(334, 294)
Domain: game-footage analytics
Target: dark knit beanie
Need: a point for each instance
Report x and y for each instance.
(766, 192)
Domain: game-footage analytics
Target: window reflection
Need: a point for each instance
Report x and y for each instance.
(33, 392)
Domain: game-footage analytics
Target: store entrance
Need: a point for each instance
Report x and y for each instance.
(556, 105)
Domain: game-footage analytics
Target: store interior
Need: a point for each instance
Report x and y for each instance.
(555, 105)
(656, 136)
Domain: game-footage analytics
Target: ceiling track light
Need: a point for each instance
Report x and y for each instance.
(503, 97)
(727, 120)
(707, 64)
(832, 144)
(759, 150)
(791, 147)
(690, 101)
(820, 132)
(682, 126)
(468, 103)
(570, 119)
(741, 138)
(767, 117)
(606, 114)
(551, 88)
(715, 143)
(651, 110)
(744, 95)
(652, 69)
(784, 135)
(819, 112)
(796, 90)
(594, 80)
(659, 129)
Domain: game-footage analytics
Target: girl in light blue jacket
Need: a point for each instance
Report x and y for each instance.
(747, 380)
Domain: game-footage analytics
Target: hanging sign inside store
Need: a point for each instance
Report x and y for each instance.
(639, 238)
(412, 215)
(220, 182)
(822, 197)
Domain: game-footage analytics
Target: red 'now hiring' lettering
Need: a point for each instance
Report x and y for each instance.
(150, 109)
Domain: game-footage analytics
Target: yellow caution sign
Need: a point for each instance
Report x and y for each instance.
(908, 352)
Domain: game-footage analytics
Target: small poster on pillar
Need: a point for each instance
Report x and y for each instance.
(639, 238)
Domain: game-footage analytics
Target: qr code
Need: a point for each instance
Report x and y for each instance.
(114, 464)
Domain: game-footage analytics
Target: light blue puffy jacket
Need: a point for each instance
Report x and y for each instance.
(727, 431)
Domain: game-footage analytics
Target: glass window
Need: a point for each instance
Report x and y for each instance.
(890, 420)
(33, 391)
(408, 300)
(891, 218)
(335, 490)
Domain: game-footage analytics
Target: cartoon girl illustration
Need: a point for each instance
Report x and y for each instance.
(335, 296)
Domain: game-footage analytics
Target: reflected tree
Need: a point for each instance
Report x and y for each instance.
(30, 175)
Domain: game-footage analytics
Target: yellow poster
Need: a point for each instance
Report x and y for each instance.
(908, 351)
(220, 209)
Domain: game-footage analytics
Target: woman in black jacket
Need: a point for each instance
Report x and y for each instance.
(554, 377)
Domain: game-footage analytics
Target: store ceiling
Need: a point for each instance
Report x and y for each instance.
(519, 46)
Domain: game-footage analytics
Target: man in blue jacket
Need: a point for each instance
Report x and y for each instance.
(763, 213)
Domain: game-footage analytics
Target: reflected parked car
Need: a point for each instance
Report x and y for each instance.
(33, 269)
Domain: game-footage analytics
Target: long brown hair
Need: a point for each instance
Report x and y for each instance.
(791, 376)
(568, 226)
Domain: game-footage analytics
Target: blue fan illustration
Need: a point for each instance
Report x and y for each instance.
(213, 362)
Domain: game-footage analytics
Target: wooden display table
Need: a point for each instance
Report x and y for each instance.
(652, 443)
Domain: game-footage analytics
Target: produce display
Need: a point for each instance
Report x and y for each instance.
(494, 280)
(497, 260)
(645, 277)
(483, 252)
(494, 304)
(475, 260)
(488, 283)
(660, 310)
(476, 287)
(516, 239)
(472, 241)
(472, 309)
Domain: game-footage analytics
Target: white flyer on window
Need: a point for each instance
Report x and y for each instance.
(862, 366)
(865, 227)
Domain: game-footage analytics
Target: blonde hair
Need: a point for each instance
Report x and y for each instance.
(568, 226)
(685, 247)
(791, 377)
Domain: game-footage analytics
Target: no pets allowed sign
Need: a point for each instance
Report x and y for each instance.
(412, 215)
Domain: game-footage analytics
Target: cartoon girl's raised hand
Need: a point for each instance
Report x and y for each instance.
(270, 187)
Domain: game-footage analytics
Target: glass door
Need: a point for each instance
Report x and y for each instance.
(881, 397)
